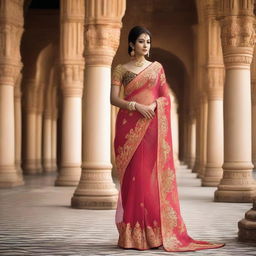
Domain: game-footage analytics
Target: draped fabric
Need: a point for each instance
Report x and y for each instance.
(148, 211)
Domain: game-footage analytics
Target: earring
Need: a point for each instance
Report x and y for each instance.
(132, 52)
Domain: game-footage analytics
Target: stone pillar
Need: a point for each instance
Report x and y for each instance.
(30, 165)
(203, 144)
(72, 71)
(96, 189)
(54, 116)
(253, 83)
(237, 37)
(213, 170)
(47, 142)
(11, 28)
(198, 131)
(185, 136)
(54, 142)
(247, 226)
(197, 51)
(39, 122)
(18, 124)
(192, 141)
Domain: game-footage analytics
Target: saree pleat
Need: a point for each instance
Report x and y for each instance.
(148, 211)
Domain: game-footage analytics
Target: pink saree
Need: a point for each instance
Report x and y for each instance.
(148, 211)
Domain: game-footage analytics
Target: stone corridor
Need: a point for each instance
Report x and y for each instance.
(37, 219)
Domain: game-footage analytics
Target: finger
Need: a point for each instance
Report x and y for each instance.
(150, 113)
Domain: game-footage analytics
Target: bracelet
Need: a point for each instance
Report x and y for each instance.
(132, 105)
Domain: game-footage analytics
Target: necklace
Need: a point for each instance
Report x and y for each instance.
(139, 63)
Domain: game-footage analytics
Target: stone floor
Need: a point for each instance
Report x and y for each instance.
(36, 219)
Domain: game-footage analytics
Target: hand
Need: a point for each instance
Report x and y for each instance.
(153, 106)
(146, 111)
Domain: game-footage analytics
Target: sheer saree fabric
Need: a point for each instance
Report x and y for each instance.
(148, 211)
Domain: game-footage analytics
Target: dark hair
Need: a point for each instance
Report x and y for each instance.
(134, 33)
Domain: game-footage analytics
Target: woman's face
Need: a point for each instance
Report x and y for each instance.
(142, 45)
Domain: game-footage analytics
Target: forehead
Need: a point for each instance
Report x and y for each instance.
(144, 36)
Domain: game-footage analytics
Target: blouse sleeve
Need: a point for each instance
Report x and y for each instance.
(117, 76)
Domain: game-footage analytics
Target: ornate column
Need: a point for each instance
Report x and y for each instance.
(213, 170)
(11, 28)
(54, 132)
(247, 226)
(72, 71)
(185, 136)
(47, 139)
(203, 123)
(253, 83)
(54, 117)
(18, 124)
(192, 140)
(39, 128)
(197, 52)
(238, 39)
(31, 109)
(96, 189)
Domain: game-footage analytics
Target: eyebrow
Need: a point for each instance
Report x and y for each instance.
(143, 39)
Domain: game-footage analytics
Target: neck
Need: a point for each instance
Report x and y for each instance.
(138, 58)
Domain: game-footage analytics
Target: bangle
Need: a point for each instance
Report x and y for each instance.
(132, 105)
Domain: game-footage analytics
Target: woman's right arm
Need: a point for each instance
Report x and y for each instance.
(115, 100)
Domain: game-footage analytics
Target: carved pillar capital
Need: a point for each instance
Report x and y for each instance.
(215, 82)
(72, 79)
(101, 43)
(102, 31)
(238, 39)
(71, 48)
(11, 29)
(9, 73)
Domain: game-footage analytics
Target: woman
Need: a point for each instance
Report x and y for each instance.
(148, 211)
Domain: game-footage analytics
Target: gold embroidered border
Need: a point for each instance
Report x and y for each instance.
(167, 179)
(149, 74)
(139, 237)
(133, 139)
(169, 217)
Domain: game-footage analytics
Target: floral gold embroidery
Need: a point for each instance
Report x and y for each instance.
(139, 237)
(133, 138)
(117, 75)
(172, 224)
(162, 79)
(150, 76)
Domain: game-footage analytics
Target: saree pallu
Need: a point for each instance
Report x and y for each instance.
(148, 211)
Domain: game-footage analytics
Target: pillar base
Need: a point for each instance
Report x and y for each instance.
(191, 164)
(232, 196)
(212, 176)
(96, 190)
(9, 177)
(247, 226)
(68, 176)
(31, 167)
(237, 184)
(196, 168)
(47, 166)
(92, 202)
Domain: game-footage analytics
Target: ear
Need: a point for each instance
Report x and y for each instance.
(131, 45)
